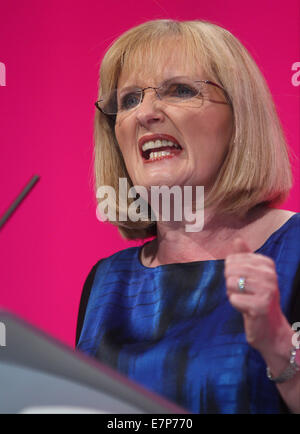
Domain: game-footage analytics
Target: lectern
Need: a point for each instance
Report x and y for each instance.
(41, 375)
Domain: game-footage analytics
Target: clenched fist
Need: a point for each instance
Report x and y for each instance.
(257, 297)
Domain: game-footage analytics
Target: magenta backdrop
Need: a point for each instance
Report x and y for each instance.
(51, 53)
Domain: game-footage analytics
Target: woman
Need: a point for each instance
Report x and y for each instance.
(196, 316)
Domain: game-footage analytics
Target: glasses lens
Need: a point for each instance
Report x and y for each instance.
(113, 104)
(174, 91)
(180, 90)
(129, 100)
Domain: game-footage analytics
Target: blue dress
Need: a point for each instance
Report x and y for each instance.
(172, 329)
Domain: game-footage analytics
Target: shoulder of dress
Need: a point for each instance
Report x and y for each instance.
(126, 253)
(125, 256)
(289, 233)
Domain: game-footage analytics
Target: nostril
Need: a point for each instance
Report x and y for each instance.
(146, 116)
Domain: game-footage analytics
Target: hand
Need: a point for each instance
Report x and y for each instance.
(259, 302)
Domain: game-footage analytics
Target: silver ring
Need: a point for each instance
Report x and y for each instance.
(241, 284)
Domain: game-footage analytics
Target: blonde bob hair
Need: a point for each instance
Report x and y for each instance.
(256, 168)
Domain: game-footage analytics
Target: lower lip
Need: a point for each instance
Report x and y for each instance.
(173, 154)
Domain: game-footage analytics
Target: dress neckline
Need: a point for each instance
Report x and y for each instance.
(276, 233)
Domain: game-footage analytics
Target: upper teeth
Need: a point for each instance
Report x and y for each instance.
(158, 144)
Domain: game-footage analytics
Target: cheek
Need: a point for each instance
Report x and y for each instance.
(212, 129)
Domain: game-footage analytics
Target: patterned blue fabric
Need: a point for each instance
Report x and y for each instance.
(172, 329)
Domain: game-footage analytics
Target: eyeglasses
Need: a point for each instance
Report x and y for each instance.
(178, 90)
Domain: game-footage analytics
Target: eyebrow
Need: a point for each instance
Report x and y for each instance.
(133, 87)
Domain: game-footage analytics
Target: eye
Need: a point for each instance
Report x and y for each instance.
(130, 100)
(182, 90)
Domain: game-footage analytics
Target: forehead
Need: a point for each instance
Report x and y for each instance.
(162, 62)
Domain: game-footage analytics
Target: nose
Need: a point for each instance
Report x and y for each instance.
(149, 110)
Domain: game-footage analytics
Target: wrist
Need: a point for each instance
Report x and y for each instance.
(289, 372)
(277, 352)
(281, 356)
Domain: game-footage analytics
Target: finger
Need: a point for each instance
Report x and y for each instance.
(253, 284)
(239, 269)
(261, 271)
(239, 245)
(232, 284)
(251, 258)
(239, 251)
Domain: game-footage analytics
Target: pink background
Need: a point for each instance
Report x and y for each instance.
(52, 52)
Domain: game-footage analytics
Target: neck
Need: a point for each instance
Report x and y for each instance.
(173, 244)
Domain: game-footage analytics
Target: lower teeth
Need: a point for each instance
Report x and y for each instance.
(158, 155)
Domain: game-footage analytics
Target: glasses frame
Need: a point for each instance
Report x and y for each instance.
(212, 83)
